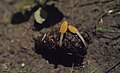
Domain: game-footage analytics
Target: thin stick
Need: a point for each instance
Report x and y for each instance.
(44, 36)
(97, 68)
(113, 67)
(71, 71)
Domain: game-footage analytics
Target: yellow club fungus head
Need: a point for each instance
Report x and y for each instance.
(63, 27)
(72, 29)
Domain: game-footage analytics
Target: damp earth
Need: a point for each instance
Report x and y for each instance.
(29, 47)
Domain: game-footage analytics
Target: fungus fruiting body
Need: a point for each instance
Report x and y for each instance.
(75, 30)
(63, 29)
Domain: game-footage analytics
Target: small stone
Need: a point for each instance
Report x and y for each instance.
(5, 67)
(12, 41)
(22, 65)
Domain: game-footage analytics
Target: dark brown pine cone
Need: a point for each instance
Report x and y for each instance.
(72, 44)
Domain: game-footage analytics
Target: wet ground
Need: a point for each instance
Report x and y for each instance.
(18, 33)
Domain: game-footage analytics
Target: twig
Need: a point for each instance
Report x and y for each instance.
(112, 67)
(71, 71)
(97, 68)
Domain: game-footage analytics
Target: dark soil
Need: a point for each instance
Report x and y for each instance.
(22, 51)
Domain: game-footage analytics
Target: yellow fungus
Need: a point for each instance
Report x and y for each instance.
(75, 30)
(72, 29)
(63, 29)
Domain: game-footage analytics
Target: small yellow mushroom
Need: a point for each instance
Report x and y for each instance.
(75, 30)
(63, 29)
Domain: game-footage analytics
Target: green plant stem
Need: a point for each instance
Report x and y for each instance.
(98, 28)
(106, 30)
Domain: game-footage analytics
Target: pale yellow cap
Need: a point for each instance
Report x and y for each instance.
(63, 27)
(72, 29)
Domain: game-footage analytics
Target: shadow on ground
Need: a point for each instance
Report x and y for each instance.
(20, 17)
(54, 16)
(58, 56)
